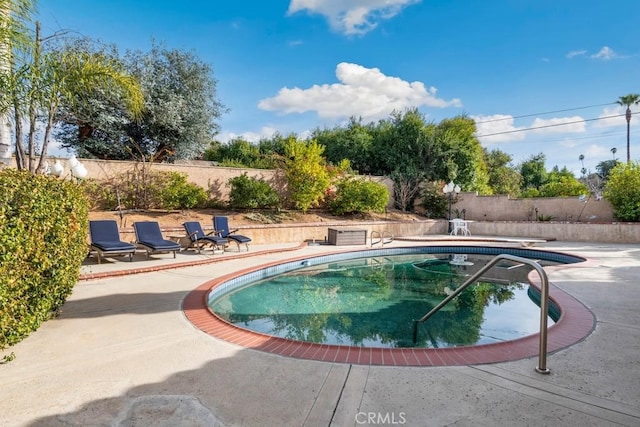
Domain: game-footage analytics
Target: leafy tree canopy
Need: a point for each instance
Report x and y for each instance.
(503, 177)
(180, 109)
(533, 171)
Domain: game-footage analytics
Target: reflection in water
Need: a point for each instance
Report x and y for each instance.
(373, 302)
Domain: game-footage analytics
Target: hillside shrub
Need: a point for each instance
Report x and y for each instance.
(178, 193)
(433, 201)
(308, 176)
(141, 188)
(356, 195)
(622, 190)
(251, 193)
(43, 232)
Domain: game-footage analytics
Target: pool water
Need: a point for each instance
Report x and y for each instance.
(373, 302)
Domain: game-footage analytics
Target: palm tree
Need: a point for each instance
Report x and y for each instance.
(43, 80)
(628, 101)
(57, 76)
(14, 18)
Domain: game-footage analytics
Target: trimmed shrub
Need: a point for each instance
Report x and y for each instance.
(178, 193)
(355, 195)
(622, 190)
(43, 232)
(251, 193)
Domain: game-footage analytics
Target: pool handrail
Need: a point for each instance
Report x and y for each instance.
(544, 302)
(381, 236)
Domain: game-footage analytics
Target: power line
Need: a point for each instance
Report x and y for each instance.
(603, 135)
(548, 112)
(551, 125)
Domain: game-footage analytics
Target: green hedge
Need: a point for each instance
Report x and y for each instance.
(251, 193)
(43, 232)
(355, 195)
(622, 190)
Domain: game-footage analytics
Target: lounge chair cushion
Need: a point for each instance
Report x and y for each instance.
(113, 246)
(105, 239)
(148, 234)
(160, 245)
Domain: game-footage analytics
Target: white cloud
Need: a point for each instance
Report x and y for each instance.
(575, 53)
(500, 128)
(594, 151)
(497, 128)
(352, 17)
(362, 92)
(575, 124)
(265, 133)
(614, 117)
(606, 53)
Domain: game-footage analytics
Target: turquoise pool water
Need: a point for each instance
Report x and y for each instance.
(373, 301)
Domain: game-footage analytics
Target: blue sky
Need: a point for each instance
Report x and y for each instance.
(295, 65)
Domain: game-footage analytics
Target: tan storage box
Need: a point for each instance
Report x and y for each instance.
(340, 237)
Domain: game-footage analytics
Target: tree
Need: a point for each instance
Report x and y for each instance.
(15, 17)
(604, 168)
(534, 174)
(403, 146)
(57, 77)
(352, 142)
(181, 109)
(40, 81)
(306, 172)
(406, 187)
(456, 137)
(503, 178)
(562, 182)
(396, 143)
(628, 101)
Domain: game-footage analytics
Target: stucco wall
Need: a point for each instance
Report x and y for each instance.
(503, 208)
(212, 178)
(478, 208)
(297, 233)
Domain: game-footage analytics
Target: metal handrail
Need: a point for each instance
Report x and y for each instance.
(544, 303)
(381, 236)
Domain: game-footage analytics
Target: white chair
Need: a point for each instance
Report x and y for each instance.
(460, 225)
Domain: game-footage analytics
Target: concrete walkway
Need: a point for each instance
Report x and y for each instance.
(123, 353)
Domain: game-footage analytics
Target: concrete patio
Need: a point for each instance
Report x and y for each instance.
(123, 353)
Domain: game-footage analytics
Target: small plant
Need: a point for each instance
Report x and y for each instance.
(433, 202)
(8, 357)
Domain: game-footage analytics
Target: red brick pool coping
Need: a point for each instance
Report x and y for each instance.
(576, 322)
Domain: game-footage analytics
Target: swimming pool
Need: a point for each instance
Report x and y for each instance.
(373, 302)
(574, 323)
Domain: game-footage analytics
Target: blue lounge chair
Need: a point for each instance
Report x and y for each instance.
(149, 236)
(221, 226)
(199, 238)
(105, 240)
